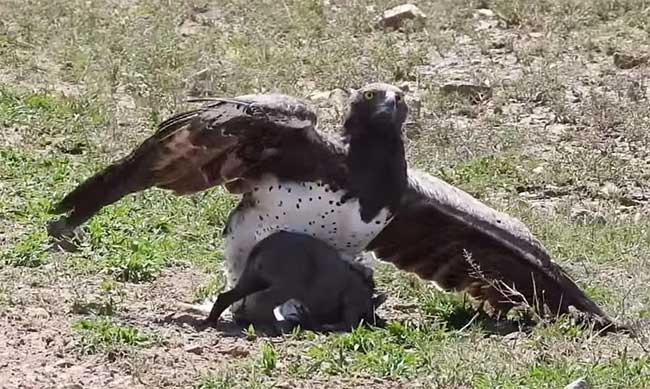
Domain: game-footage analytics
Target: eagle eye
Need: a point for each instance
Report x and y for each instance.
(368, 95)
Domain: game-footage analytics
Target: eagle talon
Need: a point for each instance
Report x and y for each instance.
(64, 236)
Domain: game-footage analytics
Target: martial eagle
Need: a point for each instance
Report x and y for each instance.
(357, 194)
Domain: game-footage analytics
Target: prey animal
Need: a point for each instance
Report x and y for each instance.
(356, 195)
(293, 279)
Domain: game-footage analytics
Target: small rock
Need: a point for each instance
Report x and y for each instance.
(557, 130)
(573, 96)
(587, 216)
(208, 17)
(195, 349)
(40, 313)
(336, 97)
(513, 336)
(499, 43)
(188, 28)
(64, 364)
(67, 89)
(123, 99)
(580, 383)
(485, 12)
(610, 190)
(629, 61)
(489, 24)
(320, 96)
(394, 17)
(237, 351)
(477, 92)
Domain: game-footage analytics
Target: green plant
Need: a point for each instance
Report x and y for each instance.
(104, 335)
(268, 358)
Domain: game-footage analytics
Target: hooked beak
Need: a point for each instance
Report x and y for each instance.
(387, 109)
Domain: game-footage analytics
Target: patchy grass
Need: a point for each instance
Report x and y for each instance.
(268, 358)
(213, 382)
(215, 285)
(105, 336)
(561, 143)
(111, 296)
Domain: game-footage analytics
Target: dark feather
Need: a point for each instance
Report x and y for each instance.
(225, 140)
(439, 227)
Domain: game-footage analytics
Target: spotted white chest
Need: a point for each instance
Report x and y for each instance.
(311, 208)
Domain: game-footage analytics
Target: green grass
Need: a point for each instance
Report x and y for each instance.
(83, 82)
(479, 176)
(213, 382)
(212, 287)
(105, 336)
(268, 358)
(110, 298)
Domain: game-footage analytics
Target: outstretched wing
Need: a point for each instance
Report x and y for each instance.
(445, 235)
(224, 142)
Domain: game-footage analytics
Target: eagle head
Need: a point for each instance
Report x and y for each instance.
(376, 108)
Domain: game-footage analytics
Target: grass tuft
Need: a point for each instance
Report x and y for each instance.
(105, 336)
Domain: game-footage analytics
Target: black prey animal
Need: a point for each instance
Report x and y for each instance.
(295, 279)
(357, 195)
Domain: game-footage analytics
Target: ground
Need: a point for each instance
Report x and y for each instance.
(539, 108)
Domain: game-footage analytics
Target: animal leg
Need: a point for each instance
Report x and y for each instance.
(245, 287)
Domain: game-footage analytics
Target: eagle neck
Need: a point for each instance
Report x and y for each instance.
(377, 169)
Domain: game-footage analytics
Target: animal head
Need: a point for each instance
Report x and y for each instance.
(376, 107)
(373, 300)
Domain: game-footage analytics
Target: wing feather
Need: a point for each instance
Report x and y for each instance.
(225, 140)
(447, 236)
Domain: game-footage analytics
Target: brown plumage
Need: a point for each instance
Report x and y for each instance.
(444, 235)
(436, 227)
(226, 140)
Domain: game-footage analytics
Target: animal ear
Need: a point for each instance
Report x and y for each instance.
(378, 299)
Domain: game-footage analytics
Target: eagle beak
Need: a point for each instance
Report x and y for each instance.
(387, 109)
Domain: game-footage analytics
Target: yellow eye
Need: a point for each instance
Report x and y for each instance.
(398, 98)
(368, 95)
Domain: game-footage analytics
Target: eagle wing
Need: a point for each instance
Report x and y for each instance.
(443, 234)
(225, 141)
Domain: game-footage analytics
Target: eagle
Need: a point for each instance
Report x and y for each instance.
(355, 192)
